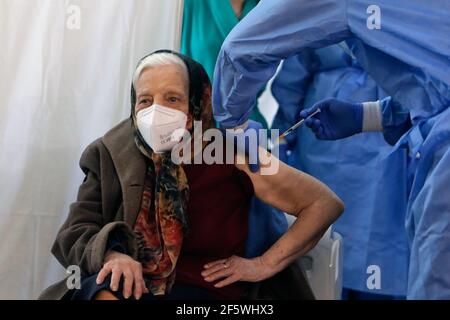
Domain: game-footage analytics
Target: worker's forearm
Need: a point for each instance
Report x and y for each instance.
(303, 235)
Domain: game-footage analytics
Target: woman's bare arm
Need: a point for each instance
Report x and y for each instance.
(294, 192)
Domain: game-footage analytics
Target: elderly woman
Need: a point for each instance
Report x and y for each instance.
(145, 227)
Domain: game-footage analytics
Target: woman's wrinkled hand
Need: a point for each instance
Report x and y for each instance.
(119, 264)
(236, 269)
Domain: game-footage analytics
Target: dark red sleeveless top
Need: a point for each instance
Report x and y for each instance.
(218, 223)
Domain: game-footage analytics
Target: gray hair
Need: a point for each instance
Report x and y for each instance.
(159, 59)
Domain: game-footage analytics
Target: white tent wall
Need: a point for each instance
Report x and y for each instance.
(65, 72)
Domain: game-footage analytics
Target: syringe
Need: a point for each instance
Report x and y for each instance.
(295, 126)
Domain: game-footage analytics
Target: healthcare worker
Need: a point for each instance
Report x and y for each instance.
(362, 169)
(206, 24)
(405, 48)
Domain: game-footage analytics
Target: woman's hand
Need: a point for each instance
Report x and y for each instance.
(236, 269)
(121, 264)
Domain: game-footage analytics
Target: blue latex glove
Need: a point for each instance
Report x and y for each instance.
(338, 119)
(251, 151)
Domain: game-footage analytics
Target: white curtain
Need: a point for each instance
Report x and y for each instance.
(65, 72)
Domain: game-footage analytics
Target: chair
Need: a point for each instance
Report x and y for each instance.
(323, 265)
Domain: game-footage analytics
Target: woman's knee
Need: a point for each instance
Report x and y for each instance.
(105, 295)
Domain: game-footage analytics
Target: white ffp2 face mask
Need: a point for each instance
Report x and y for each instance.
(159, 126)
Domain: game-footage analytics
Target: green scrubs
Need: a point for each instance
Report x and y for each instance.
(206, 24)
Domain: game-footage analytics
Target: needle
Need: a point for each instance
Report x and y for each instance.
(295, 126)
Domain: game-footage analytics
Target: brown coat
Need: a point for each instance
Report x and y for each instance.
(108, 202)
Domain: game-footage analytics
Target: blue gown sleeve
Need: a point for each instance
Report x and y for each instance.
(395, 120)
(271, 32)
(289, 89)
(427, 278)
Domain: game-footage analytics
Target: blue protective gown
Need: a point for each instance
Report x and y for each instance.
(363, 170)
(408, 58)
